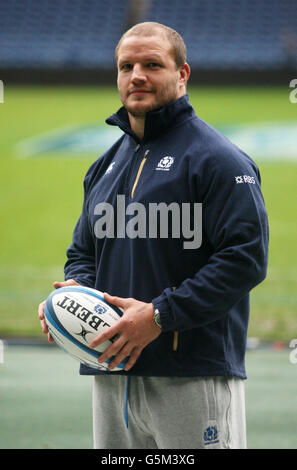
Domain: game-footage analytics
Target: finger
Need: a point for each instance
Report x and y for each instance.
(117, 301)
(42, 318)
(70, 282)
(49, 338)
(108, 334)
(133, 358)
(112, 350)
(122, 354)
(44, 327)
(41, 310)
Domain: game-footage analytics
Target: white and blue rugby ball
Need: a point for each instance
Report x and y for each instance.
(75, 315)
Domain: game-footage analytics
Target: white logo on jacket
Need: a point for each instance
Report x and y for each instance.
(109, 169)
(165, 163)
(245, 179)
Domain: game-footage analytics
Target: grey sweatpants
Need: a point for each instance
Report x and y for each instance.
(169, 413)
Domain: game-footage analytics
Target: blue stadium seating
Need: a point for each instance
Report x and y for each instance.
(232, 34)
(77, 34)
(60, 33)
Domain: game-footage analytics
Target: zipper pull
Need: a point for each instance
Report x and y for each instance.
(139, 172)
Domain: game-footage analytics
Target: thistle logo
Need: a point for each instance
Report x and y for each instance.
(110, 168)
(100, 309)
(210, 435)
(165, 163)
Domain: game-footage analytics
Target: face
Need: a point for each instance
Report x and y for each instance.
(148, 77)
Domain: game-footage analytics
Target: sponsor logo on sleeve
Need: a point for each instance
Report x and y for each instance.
(245, 179)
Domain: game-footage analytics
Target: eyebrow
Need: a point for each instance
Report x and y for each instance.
(130, 58)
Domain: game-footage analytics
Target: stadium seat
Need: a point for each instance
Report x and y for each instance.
(60, 33)
(231, 35)
(55, 34)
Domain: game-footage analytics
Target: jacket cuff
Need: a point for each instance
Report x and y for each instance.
(162, 304)
(83, 281)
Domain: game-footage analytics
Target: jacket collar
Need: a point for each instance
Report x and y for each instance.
(156, 122)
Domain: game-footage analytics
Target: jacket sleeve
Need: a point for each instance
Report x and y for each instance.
(80, 264)
(235, 225)
(81, 257)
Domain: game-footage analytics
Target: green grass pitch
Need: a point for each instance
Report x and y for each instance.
(41, 197)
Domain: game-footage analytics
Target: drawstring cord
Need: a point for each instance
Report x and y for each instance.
(126, 400)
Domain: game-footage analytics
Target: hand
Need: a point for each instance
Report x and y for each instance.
(134, 330)
(56, 284)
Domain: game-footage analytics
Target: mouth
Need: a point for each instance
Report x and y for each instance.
(139, 91)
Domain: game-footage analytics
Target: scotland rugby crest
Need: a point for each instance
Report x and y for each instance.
(165, 163)
(210, 435)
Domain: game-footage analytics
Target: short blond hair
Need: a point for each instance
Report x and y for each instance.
(150, 28)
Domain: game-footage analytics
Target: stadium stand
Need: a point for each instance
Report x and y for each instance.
(230, 34)
(60, 33)
(221, 35)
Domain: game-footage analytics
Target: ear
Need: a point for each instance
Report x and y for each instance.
(184, 71)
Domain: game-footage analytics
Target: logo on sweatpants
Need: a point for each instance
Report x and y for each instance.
(210, 435)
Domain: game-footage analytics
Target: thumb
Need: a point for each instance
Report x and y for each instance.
(70, 282)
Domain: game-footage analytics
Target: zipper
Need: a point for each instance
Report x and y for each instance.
(131, 168)
(140, 168)
(139, 173)
(175, 341)
(175, 336)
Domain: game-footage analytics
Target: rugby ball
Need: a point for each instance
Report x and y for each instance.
(75, 315)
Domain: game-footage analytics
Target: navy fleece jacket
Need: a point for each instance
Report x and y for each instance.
(202, 293)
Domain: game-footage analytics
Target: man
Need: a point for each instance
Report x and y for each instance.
(186, 307)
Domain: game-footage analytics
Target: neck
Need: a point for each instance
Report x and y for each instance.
(137, 125)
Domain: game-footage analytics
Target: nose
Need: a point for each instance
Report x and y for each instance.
(138, 74)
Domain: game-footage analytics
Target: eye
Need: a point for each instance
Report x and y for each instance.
(154, 65)
(126, 67)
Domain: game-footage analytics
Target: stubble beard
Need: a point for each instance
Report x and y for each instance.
(165, 95)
